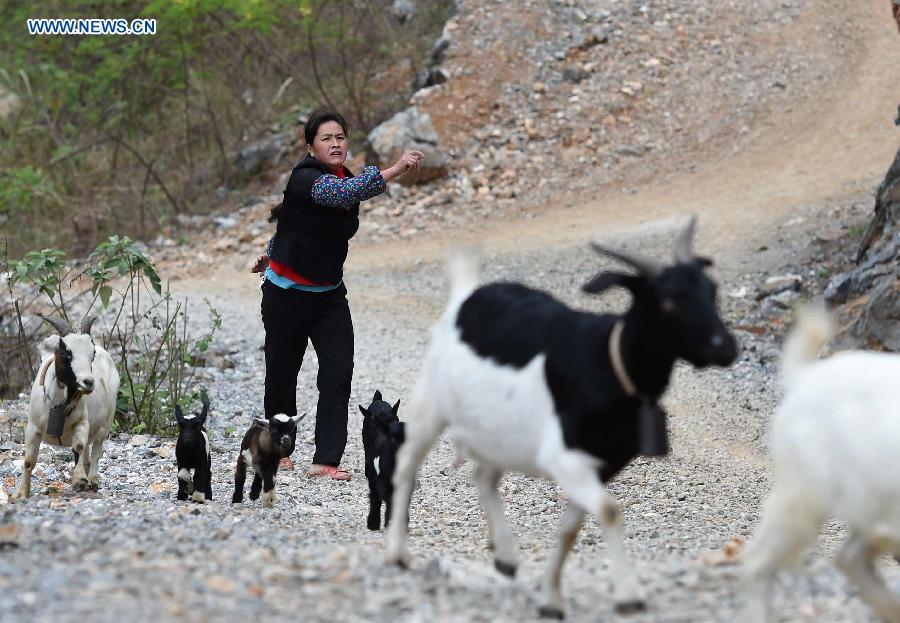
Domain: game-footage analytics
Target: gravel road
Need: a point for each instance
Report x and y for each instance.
(133, 552)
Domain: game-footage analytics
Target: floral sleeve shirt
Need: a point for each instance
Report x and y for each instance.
(333, 191)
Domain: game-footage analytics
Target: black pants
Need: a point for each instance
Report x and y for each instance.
(291, 319)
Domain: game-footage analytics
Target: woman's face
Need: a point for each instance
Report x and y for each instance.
(330, 145)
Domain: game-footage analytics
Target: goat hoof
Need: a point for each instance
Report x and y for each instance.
(401, 561)
(81, 484)
(197, 496)
(551, 612)
(94, 485)
(506, 568)
(372, 524)
(631, 606)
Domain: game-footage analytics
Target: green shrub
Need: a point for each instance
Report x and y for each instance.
(149, 335)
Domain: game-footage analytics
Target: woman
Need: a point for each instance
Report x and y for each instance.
(303, 294)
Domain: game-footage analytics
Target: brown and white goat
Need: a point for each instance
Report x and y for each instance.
(73, 402)
(263, 446)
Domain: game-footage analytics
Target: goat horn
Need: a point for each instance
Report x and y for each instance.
(62, 327)
(684, 243)
(87, 323)
(644, 265)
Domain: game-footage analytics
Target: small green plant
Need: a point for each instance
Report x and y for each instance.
(119, 257)
(47, 270)
(856, 231)
(160, 371)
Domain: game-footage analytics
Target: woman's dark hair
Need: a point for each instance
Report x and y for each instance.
(316, 119)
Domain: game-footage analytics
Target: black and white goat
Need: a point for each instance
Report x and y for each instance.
(73, 402)
(192, 453)
(382, 434)
(834, 443)
(525, 383)
(264, 445)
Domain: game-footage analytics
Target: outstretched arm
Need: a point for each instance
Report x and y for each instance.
(332, 191)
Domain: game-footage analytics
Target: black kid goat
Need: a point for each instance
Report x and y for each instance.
(382, 434)
(192, 453)
(264, 445)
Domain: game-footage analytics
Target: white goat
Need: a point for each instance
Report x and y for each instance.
(835, 440)
(525, 383)
(76, 385)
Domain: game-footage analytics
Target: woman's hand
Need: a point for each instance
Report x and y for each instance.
(262, 262)
(410, 160)
(407, 162)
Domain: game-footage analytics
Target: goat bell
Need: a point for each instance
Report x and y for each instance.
(56, 421)
(653, 438)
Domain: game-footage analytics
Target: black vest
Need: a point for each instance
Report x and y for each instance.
(310, 238)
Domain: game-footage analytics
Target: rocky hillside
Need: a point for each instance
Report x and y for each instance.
(551, 103)
(533, 106)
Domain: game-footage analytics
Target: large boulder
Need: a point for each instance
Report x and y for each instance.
(269, 149)
(409, 129)
(870, 293)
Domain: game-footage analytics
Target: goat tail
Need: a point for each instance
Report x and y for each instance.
(463, 269)
(813, 328)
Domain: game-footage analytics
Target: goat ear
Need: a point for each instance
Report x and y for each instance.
(363, 410)
(395, 408)
(296, 419)
(377, 395)
(179, 414)
(261, 422)
(605, 280)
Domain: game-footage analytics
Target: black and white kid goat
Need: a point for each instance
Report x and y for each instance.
(264, 445)
(192, 453)
(382, 434)
(525, 383)
(73, 402)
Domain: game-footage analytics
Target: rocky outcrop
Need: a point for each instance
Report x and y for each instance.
(870, 292)
(409, 129)
(255, 155)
